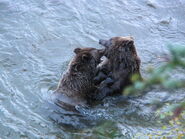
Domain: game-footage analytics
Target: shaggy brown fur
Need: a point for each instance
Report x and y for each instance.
(122, 63)
(77, 82)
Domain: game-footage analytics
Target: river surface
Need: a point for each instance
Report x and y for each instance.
(37, 38)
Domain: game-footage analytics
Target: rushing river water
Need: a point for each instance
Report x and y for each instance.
(37, 38)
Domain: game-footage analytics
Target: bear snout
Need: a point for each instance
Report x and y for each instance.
(106, 43)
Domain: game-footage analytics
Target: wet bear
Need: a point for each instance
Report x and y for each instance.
(122, 62)
(77, 82)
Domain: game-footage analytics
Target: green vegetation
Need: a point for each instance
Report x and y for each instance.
(163, 77)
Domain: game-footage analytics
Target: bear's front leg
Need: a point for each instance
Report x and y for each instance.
(101, 71)
(104, 89)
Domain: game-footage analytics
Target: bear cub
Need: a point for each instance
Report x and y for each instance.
(77, 82)
(121, 63)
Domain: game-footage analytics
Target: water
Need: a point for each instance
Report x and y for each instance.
(37, 38)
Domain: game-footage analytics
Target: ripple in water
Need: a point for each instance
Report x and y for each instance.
(37, 39)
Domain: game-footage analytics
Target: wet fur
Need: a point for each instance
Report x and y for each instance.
(123, 62)
(77, 82)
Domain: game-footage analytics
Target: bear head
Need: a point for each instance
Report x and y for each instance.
(85, 60)
(121, 53)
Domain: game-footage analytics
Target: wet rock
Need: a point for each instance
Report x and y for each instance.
(166, 21)
(151, 4)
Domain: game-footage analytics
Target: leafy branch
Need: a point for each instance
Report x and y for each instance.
(161, 76)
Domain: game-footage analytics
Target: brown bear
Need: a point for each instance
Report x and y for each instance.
(122, 62)
(77, 82)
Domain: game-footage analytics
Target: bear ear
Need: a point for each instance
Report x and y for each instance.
(77, 50)
(129, 42)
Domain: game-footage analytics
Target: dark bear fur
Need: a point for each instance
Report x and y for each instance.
(122, 63)
(77, 82)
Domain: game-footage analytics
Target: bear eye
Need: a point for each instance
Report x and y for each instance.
(85, 57)
(77, 50)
